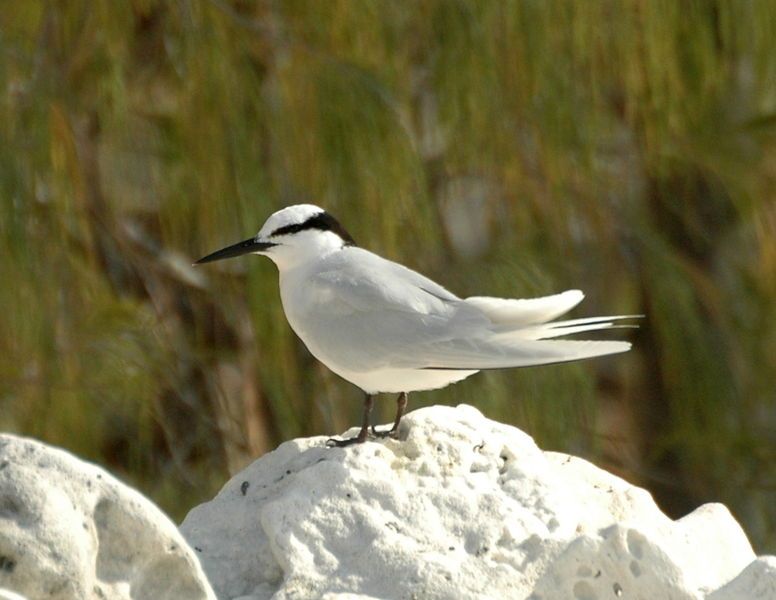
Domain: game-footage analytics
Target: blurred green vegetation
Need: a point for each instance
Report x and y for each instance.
(502, 147)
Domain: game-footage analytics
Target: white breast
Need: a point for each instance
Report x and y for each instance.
(320, 317)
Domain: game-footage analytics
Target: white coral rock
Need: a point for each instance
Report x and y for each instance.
(461, 507)
(69, 530)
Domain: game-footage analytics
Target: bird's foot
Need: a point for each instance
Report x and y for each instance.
(362, 437)
(385, 433)
(335, 443)
(359, 439)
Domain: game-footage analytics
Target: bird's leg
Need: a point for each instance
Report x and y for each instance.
(363, 433)
(401, 404)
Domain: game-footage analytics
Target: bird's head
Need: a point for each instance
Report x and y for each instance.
(291, 236)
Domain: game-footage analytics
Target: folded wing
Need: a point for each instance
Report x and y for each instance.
(377, 314)
(481, 354)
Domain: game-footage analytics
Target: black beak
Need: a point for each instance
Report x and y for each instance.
(245, 247)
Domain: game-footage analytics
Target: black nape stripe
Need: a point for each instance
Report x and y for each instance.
(322, 221)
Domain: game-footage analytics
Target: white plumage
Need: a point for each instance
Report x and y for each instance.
(387, 328)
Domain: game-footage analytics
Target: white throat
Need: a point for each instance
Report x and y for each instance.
(304, 247)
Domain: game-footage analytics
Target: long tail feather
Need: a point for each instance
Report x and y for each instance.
(527, 311)
(561, 328)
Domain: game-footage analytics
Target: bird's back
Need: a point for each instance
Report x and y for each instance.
(356, 308)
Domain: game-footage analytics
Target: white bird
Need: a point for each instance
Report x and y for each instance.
(386, 328)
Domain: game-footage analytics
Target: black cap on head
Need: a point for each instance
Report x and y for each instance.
(322, 221)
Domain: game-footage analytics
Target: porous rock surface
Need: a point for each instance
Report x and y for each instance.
(69, 530)
(460, 507)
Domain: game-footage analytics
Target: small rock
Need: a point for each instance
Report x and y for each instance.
(69, 530)
(756, 582)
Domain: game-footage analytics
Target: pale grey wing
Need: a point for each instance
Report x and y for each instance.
(489, 333)
(376, 279)
(487, 353)
(370, 313)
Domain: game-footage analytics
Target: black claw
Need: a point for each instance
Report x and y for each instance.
(386, 433)
(335, 443)
(362, 434)
(393, 432)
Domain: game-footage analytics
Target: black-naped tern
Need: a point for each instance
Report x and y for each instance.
(386, 328)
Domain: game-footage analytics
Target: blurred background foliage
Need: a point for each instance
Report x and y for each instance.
(501, 147)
